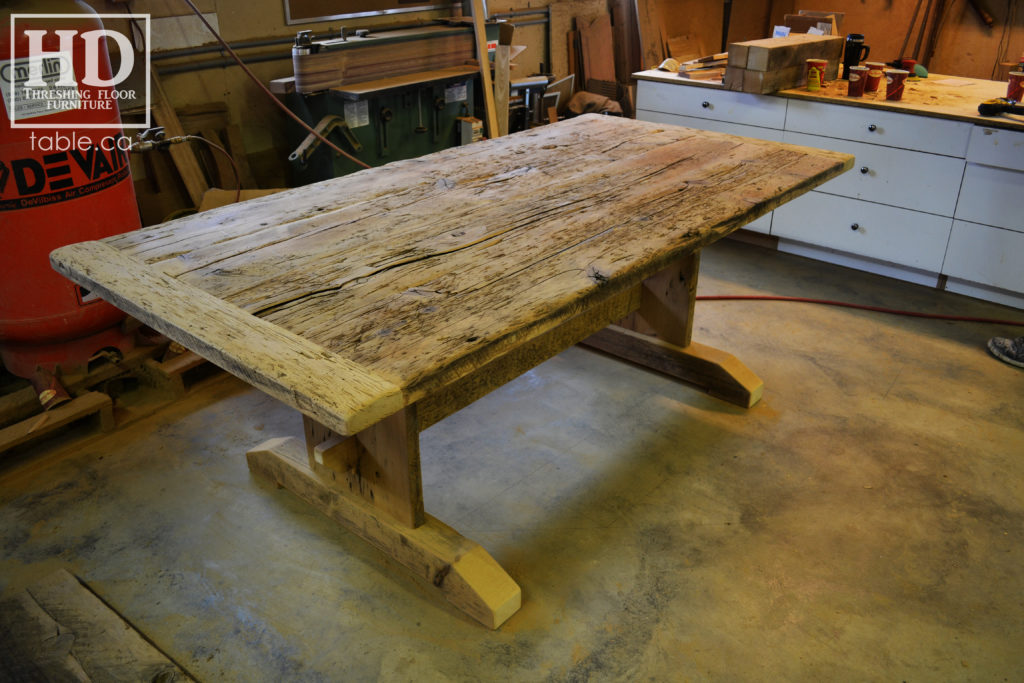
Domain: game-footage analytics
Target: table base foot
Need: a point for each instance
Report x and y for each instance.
(462, 570)
(719, 373)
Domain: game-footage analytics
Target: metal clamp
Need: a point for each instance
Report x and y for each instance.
(322, 129)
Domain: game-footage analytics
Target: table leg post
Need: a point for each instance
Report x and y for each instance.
(658, 335)
(370, 483)
(381, 464)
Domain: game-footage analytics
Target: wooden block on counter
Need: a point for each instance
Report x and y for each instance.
(771, 54)
(773, 81)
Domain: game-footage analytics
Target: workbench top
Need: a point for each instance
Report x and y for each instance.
(948, 97)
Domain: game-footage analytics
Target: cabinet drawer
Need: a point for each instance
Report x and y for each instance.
(710, 124)
(990, 256)
(883, 232)
(860, 124)
(995, 147)
(911, 180)
(712, 104)
(993, 196)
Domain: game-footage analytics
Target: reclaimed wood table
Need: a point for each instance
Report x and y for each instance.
(380, 302)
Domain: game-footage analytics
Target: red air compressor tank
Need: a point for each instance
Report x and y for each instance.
(57, 185)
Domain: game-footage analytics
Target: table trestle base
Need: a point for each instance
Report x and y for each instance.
(465, 574)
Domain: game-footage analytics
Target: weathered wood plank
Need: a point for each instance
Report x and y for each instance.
(458, 394)
(719, 373)
(465, 574)
(380, 464)
(426, 270)
(336, 391)
(667, 301)
(38, 426)
(480, 36)
(58, 630)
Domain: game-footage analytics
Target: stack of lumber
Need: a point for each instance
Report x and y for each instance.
(773, 64)
(337, 63)
(597, 41)
(709, 68)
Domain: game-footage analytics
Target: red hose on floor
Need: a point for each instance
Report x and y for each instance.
(863, 307)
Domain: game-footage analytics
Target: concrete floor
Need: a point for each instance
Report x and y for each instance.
(863, 522)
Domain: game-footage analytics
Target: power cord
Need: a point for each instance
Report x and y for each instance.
(154, 138)
(863, 307)
(269, 94)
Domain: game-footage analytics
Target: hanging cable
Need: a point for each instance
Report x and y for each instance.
(269, 94)
(863, 307)
(234, 166)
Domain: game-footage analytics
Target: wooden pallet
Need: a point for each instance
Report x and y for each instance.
(92, 404)
(22, 420)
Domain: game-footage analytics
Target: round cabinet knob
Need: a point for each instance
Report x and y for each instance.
(705, 104)
(855, 226)
(872, 127)
(864, 170)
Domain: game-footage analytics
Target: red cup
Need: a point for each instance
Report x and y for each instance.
(908, 64)
(872, 80)
(1015, 88)
(856, 80)
(894, 82)
(875, 70)
(816, 73)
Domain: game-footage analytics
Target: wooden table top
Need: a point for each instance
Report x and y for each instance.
(354, 296)
(948, 97)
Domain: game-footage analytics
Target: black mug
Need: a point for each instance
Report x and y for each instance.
(855, 51)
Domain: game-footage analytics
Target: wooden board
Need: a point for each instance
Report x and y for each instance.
(380, 86)
(773, 64)
(763, 82)
(480, 45)
(58, 630)
(626, 39)
(652, 37)
(38, 426)
(773, 54)
(406, 278)
(184, 157)
(596, 49)
(562, 16)
(404, 52)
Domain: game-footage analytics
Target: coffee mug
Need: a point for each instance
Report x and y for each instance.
(854, 52)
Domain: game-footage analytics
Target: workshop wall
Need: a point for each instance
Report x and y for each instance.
(964, 45)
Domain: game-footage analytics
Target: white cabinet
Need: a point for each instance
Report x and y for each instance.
(861, 124)
(985, 255)
(993, 196)
(897, 177)
(711, 103)
(933, 200)
(995, 147)
(900, 199)
(871, 230)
